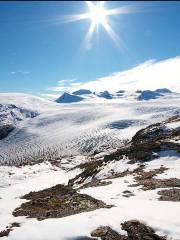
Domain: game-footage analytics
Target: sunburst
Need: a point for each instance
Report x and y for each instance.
(98, 14)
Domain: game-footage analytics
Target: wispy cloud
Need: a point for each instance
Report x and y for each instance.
(58, 89)
(67, 81)
(151, 75)
(20, 72)
(64, 85)
(49, 96)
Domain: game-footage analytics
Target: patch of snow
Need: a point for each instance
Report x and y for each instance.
(15, 182)
(173, 125)
(11, 114)
(115, 167)
(162, 216)
(169, 159)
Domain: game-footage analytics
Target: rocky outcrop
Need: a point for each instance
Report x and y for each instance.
(5, 130)
(135, 231)
(56, 202)
(90, 169)
(147, 142)
(10, 115)
(8, 229)
(170, 195)
(139, 231)
(107, 233)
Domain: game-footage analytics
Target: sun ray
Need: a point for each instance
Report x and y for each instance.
(66, 19)
(98, 15)
(116, 39)
(73, 18)
(112, 34)
(90, 32)
(125, 10)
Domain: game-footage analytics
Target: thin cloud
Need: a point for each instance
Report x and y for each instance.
(66, 81)
(24, 72)
(49, 96)
(148, 75)
(20, 72)
(58, 89)
(64, 85)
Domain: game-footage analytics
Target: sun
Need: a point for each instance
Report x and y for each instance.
(97, 14)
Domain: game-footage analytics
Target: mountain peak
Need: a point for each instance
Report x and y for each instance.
(82, 92)
(68, 98)
(105, 94)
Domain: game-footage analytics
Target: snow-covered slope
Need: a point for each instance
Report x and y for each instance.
(57, 143)
(94, 124)
(11, 114)
(26, 101)
(132, 190)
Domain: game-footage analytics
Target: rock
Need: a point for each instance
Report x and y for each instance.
(5, 130)
(153, 183)
(90, 169)
(127, 193)
(170, 195)
(151, 133)
(15, 224)
(5, 233)
(107, 233)
(9, 228)
(135, 231)
(139, 231)
(56, 202)
(146, 145)
(100, 232)
(147, 142)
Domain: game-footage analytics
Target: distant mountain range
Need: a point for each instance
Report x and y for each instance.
(84, 94)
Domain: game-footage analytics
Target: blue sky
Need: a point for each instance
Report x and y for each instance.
(36, 52)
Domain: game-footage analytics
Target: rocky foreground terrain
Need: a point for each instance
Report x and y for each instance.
(143, 171)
